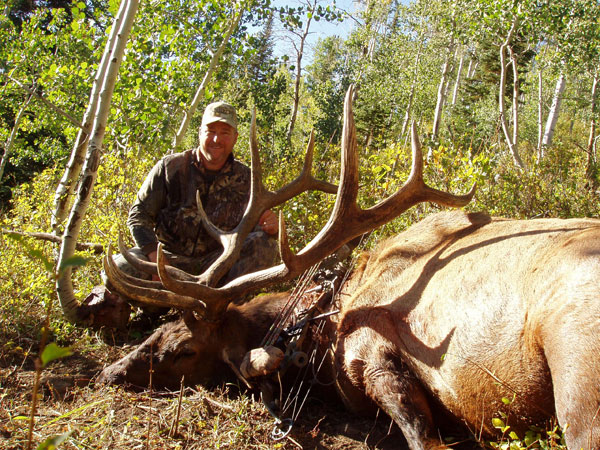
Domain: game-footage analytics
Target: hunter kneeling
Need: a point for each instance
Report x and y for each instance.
(166, 209)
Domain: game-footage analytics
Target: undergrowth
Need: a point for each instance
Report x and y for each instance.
(100, 417)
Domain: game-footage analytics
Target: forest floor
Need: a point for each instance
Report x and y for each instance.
(92, 416)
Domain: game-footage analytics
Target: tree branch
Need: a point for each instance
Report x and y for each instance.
(96, 248)
(46, 102)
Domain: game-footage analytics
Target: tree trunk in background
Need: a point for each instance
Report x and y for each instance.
(66, 186)
(472, 67)
(540, 115)
(590, 172)
(554, 112)
(299, 55)
(511, 140)
(13, 134)
(211, 68)
(458, 75)
(442, 89)
(64, 283)
(413, 88)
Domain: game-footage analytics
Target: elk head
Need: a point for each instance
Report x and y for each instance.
(222, 336)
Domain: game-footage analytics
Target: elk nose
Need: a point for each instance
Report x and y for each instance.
(109, 376)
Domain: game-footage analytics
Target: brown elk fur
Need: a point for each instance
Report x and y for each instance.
(475, 315)
(195, 349)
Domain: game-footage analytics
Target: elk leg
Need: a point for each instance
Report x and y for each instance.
(576, 391)
(397, 391)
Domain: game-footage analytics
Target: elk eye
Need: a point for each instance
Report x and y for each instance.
(185, 353)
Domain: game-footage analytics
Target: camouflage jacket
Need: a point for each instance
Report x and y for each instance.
(165, 209)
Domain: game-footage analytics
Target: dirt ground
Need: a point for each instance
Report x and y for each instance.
(93, 416)
(104, 417)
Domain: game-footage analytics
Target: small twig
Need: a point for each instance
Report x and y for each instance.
(209, 402)
(46, 102)
(36, 384)
(175, 425)
(150, 399)
(296, 443)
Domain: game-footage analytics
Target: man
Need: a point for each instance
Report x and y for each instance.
(166, 210)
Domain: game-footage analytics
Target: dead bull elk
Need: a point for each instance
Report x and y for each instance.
(447, 319)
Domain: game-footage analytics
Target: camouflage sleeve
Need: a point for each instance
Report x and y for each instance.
(143, 215)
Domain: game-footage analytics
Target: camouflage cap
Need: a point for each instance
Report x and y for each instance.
(220, 112)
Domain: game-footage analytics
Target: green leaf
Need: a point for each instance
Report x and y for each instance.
(54, 441)
(73, 261)
(53, 351)
(498, 423)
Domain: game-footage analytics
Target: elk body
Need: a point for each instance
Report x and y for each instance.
(463, 311)
(462, 316)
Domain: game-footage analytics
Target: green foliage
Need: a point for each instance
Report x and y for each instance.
(534, 438)
(53, 442)
(53, 352)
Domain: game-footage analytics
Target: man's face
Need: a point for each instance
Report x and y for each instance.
(216, 144)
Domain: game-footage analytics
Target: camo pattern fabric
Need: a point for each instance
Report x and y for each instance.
(259, 251)
(166, 211)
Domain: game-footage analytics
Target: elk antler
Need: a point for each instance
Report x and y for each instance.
(146, 291)
(346, 222)
(261, 199)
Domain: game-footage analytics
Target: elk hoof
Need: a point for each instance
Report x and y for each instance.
(261, 361)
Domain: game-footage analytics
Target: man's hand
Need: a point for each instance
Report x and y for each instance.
(269, 222)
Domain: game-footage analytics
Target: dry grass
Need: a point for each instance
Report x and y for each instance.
(115, 418)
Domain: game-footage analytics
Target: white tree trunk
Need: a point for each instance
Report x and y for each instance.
(64, 284)
(441, 95)
(511, 140)
(540, 115)
(299, 55)
(13, 134)
(66, 186)
(471, 69)
(591, 147)
(457, 81)
(554, 111)
(207, 76)
(413, 88)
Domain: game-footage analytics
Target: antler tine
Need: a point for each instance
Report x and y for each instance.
(256, 183)
(145, 291)
(214, 231)
(414, 191)
(232, 241)
(303, 182)
(147, 266)
(261, 199)
(347, 220)
(434, 195)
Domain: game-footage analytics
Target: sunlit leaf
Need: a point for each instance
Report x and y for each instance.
(53, 351)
